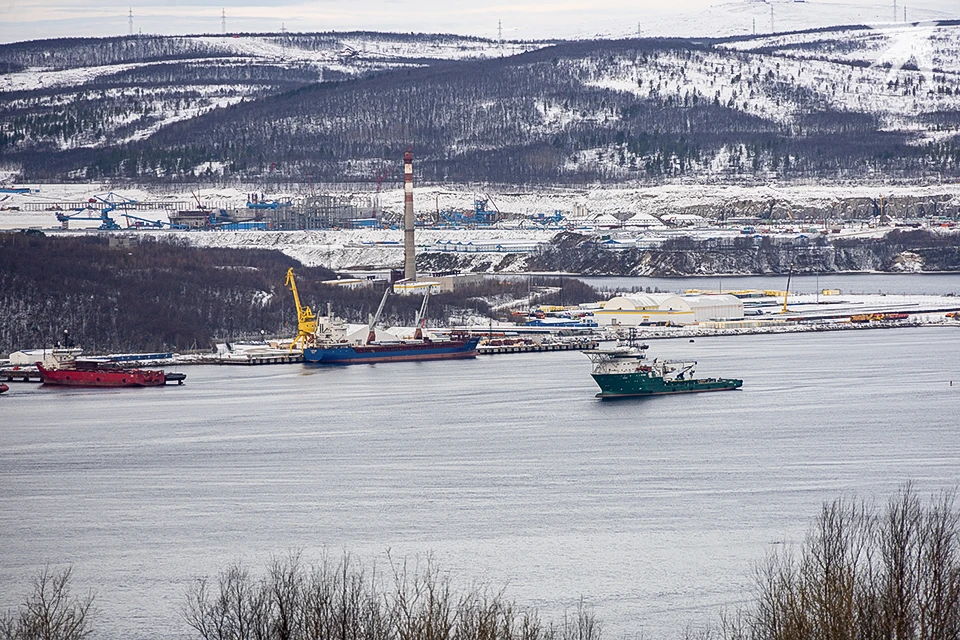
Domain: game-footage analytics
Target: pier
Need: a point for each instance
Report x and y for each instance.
(16, 374)
(249, 359)
(534, 347)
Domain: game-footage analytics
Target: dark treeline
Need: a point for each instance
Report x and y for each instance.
(71, 53)
(863, 573)
(159, 295)
(148, 296)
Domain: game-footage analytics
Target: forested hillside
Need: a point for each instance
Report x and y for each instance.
(65, 94)
(828, 104)
(147, 296)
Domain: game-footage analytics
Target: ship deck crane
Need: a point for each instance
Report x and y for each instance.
(306, 319)
(375, 318)
(422, 317)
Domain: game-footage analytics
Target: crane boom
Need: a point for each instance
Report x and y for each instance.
(422, 317)
(374, 319)
(306, 319)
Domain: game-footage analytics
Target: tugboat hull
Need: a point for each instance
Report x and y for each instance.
(104, 377)
(634, 385)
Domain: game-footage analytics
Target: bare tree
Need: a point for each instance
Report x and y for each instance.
(50, 612)
(864, 575)
(342, 601)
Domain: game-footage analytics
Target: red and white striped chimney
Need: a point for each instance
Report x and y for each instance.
(409, 250)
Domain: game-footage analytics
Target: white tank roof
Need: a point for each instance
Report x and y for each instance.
(638, 301)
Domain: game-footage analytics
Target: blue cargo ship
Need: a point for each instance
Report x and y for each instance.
(457, 347)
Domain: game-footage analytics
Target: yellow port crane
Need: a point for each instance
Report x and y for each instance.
(306, 320)
(787, 290)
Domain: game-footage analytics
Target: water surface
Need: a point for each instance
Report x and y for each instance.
(506, 468)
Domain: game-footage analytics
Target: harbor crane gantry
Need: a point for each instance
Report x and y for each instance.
(101, 205)
(306, 319)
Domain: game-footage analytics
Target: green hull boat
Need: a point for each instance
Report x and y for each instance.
(625, 372)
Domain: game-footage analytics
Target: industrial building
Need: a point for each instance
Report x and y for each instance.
(640, 309)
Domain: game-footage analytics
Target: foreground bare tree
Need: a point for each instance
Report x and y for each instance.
(863, 575)
(49, 612)
(341, 601)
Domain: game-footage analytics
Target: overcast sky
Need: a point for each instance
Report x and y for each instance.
(36, 19)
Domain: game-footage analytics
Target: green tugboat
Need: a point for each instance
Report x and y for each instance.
(625, 372)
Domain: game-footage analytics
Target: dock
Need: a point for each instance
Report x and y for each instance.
(537, 347)
(249, 359)
(17, 374)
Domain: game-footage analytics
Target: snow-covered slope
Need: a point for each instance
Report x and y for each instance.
(110, 94)
(857, 102)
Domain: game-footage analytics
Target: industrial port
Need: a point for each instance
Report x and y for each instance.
(482, 232)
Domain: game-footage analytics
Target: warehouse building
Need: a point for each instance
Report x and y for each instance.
(645, 309)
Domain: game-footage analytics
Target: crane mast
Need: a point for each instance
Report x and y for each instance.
(306, 319)
(374, 319)
(787, 292)
(421, 322)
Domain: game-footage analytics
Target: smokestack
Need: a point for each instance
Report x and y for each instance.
(409, 251)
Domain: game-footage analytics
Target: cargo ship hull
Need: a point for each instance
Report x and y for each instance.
(392, 352)
(633, 385)
(102, 377)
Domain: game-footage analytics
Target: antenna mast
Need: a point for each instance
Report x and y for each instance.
(223, 21)
(130, 21)
(500, 32)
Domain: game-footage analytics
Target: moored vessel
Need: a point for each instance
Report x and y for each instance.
(457, 347)
(326, 340)
(4, 388)
(107, 377)
(330, 345)
(626, 372)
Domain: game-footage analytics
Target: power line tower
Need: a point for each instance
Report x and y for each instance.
(130, 21)
(223, 21)
(500, 32)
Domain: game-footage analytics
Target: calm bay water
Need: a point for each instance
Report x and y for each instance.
(505, 468)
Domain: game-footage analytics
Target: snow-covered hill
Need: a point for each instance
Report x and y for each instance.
(119, 90)
(865, 103)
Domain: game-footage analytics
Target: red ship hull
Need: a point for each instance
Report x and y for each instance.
(102, 377)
